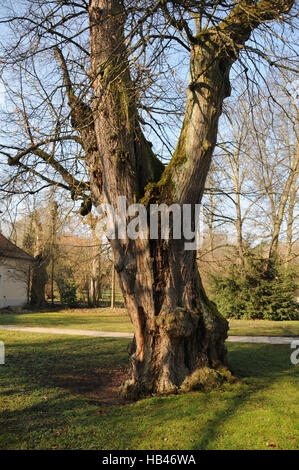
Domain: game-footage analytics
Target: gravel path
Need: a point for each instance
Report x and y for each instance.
(117, 334)
(262, 339)
(67, 331)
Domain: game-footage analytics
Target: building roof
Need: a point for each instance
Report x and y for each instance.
(10, 250)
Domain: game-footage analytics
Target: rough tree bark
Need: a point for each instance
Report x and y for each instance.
(278, 212)
(179, 335)
(39, 270)
(291, 218)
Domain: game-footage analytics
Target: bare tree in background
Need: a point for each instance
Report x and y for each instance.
(275, 153)
(39, 231)
(98, 266)
(253, 187)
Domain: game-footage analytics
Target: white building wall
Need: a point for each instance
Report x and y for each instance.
(14, 276)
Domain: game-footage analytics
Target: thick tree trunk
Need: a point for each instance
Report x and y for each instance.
(179, 335)
(95, 284)
(94, 290)
(39, 280)
(112, 303)
(39, 270)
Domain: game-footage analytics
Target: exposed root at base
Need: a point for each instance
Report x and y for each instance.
(203, 379)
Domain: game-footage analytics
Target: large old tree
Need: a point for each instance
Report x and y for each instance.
(179, 335)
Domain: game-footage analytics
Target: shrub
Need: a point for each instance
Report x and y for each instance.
(67, 291)
(262, 289)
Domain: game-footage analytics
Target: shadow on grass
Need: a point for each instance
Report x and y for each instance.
(59, 362)
(55, 385)
(258, 367)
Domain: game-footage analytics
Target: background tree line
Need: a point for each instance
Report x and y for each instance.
(250, 257)
(72, 265)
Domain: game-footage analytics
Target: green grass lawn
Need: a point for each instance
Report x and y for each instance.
(50, 399)
(105, 319)
(101, 319)
(263, 328)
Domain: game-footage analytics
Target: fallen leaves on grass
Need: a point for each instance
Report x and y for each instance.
(270, 444)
